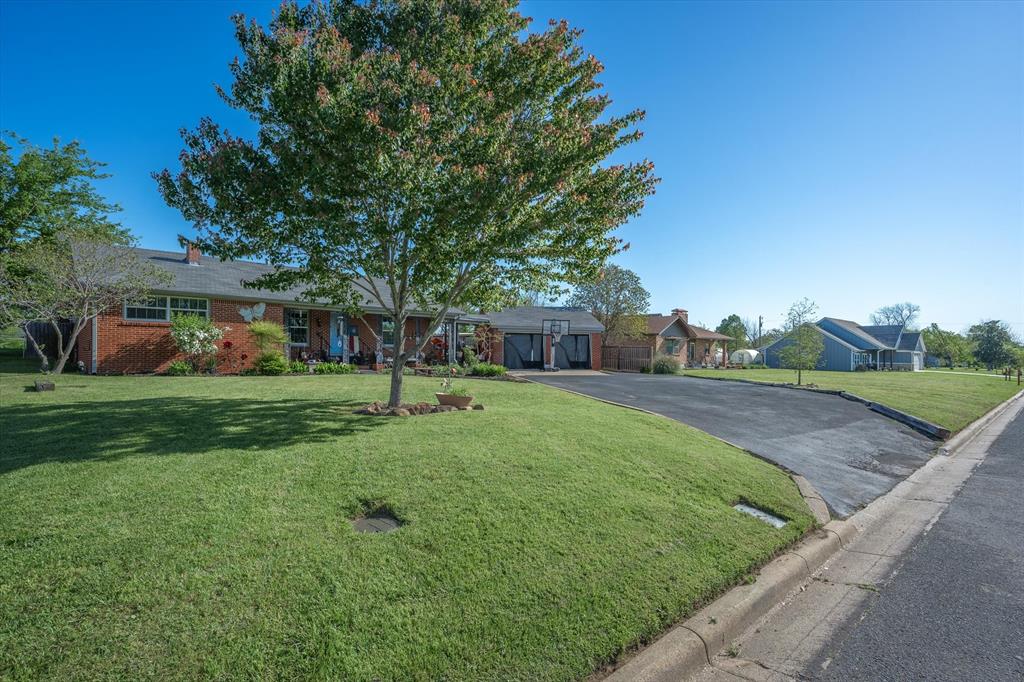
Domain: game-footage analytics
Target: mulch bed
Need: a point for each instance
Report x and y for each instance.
(381, 409)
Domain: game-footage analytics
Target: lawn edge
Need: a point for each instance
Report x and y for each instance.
(686, 648)
(924, 426)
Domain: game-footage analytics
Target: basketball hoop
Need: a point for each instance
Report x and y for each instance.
(555, 330)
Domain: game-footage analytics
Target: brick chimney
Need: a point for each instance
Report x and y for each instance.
(681, 313)
(191, 253)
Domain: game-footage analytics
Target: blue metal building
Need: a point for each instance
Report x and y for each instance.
(849, 345)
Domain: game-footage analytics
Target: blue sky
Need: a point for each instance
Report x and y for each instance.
(856, 154)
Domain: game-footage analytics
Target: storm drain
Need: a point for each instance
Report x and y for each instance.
(380, 521)
(758, 514)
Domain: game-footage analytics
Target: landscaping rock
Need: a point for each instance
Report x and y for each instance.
(467, 408)
(400, 412)
(446, 408)
(45, 386)
(478, 407)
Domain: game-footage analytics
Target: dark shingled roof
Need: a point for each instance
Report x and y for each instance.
(215, 278)
(888, 334)
(871, 343)
(656, 324)
(909, 340)
(529, 319)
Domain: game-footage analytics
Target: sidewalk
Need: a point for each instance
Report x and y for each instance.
(930, 589)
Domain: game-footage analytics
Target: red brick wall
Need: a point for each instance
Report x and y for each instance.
(128, 346)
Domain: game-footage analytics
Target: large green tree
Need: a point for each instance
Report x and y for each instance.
(47, 191)
(734, 327)
(993, 343)
(618, 300)
(806, 343)
(941, 343)
(416, 154)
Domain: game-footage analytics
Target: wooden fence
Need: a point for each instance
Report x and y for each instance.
(46, 337)
(627, 358)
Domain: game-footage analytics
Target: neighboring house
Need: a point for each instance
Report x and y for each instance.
(136, 338)
(692, 345)
(849, 346)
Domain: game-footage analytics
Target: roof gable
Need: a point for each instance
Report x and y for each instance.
(887, 334)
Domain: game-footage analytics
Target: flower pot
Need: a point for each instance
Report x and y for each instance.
(459, 401)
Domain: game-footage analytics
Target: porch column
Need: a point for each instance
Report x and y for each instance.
(452, 340)
(725, 353)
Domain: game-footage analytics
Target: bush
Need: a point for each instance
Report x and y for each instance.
(271, 364)
(486, 369)
(298, 367)
(196, 337)
(665, 364)
(268, 336)
(179, 368)
(469, 358)
(334, 368)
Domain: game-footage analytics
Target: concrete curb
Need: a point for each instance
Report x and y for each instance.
(971, 430)
(916, 423)
(691, 645)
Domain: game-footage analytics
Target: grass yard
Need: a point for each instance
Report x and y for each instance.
(184, 528)
(948, 399)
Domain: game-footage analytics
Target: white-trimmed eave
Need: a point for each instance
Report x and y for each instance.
(293, 303)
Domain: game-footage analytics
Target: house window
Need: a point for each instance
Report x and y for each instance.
(671, 346)
(387, 331)
(297, 322)
(152, 308)
(163, 308)
(189, 306)
(691, 350)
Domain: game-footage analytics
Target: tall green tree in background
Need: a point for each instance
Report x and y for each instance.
(618, 300)
(806, 343)
(993, 343)
(48, 191)
(953, 347)
(734, 327)
(418, 155)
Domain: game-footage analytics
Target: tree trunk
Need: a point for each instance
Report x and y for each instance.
(398, 357)
(799, 376)
(45, 361)
(65, 352)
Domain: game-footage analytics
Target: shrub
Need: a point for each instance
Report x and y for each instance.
(334, 368)
(469, 358)
(486, 369)
(196, 337)
(268, 336)
(665, 364)
(298, 367)
(179, 368)
(272, 363)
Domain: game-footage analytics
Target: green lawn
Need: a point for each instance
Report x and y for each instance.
(179, 528)
(947, 399)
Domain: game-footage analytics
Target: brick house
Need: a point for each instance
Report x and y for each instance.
(136, 338)
(692, 345)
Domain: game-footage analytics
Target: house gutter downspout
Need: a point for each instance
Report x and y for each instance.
(95, 340)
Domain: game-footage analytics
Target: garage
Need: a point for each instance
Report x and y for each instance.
(524, 351)
(573, 352)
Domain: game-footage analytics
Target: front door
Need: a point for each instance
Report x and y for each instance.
(337, 334)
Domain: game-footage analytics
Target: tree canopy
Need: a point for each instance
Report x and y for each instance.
(421, 155)
(618, 300)
(949, 345)
(45, 192)
(993, 343)
(901, 314)
(733, 326)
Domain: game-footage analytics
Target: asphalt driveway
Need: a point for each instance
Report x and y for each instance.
(849, 453)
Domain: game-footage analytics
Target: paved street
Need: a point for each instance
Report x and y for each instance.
(849, 453)
(954, 610)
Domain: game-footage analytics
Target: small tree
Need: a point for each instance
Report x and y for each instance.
(618, 300)
(70, 280)
(414, 156)
(196, 336)
(900, 314)
(805, 340)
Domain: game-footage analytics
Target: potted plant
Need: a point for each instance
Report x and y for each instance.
(452, 395)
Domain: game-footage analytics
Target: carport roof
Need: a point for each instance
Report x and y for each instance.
(529, 319)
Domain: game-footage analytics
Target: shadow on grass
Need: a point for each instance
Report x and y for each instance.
(115, 429)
